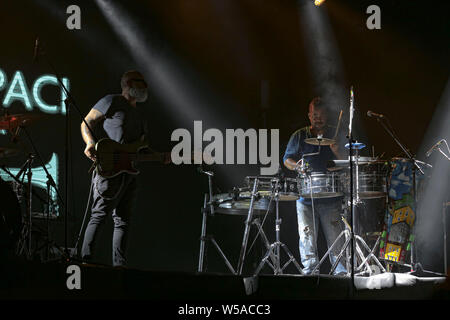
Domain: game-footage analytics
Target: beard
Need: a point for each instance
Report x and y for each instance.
(139, 94)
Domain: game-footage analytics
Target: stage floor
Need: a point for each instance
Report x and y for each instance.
(32, 280)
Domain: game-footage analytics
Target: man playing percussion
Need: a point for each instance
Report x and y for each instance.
(327, 211)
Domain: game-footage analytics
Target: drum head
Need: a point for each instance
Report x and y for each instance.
(225, 204)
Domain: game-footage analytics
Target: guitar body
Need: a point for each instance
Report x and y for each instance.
(114, 158)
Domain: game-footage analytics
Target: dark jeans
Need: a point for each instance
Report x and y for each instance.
(115, 195)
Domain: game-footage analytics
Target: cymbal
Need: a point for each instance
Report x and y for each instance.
(321, 141)
(12, 121)
(8, 152)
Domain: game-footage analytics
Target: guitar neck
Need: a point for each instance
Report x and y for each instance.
(154, 156)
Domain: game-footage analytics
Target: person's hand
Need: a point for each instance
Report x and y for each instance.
(89, 151)
(335, 148)
(167, 158)
(299, 167)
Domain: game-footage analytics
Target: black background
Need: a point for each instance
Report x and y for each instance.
(222, 50)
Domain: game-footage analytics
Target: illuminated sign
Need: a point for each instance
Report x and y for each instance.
(17, 90)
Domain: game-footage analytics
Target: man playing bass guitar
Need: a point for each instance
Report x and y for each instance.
(114, 117)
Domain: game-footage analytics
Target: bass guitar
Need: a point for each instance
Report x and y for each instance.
(113, 158)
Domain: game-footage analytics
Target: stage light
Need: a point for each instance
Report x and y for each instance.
(159, 70)
(173, 81)
(318, 2)
(324, 59)
(433, 189)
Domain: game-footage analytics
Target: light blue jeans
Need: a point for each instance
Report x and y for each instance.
(328, 212)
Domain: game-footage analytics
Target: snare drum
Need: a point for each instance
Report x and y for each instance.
(320, 185)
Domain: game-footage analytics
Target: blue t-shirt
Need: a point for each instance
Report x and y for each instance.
(123, 123)
(297, 147)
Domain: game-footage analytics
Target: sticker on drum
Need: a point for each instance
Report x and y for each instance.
(320, 185)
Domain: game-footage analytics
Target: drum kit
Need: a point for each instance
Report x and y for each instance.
(17, 208)
(370, 183)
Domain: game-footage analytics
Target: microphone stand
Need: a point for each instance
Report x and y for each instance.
(352, 234)
(417, 167)
(69, 103)
(405, 150)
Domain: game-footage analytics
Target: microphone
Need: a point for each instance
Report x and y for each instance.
(208, 173)
(36, 49)
(433, 147)
(374, 115)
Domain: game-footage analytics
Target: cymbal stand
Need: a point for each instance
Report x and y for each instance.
(275, 247)
(27, 227)
(204, 236)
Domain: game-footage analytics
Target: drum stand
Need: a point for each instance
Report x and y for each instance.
(364, 267)
(249, 221)
(27, 227)
(274, 249)
(204, 237)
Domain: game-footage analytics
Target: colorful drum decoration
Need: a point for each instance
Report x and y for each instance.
(397, 234)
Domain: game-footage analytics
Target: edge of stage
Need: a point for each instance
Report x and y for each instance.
(24, 280)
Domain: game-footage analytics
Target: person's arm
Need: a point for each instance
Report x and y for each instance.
(292, 152)
(337, 151)
(290, 163)
(92, 118)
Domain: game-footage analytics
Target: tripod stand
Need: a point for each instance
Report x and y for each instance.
(24, 244)
(208, 209)
(275, 247)
(364, 267)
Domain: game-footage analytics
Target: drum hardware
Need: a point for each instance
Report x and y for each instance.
(247, 227)
(20, 122)
(364, 266)
(265, 182)
(27, 226)
(319, 141)
(353, 239)
(275, 247)
(208, 208)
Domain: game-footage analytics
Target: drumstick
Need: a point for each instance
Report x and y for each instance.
(338, 125)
